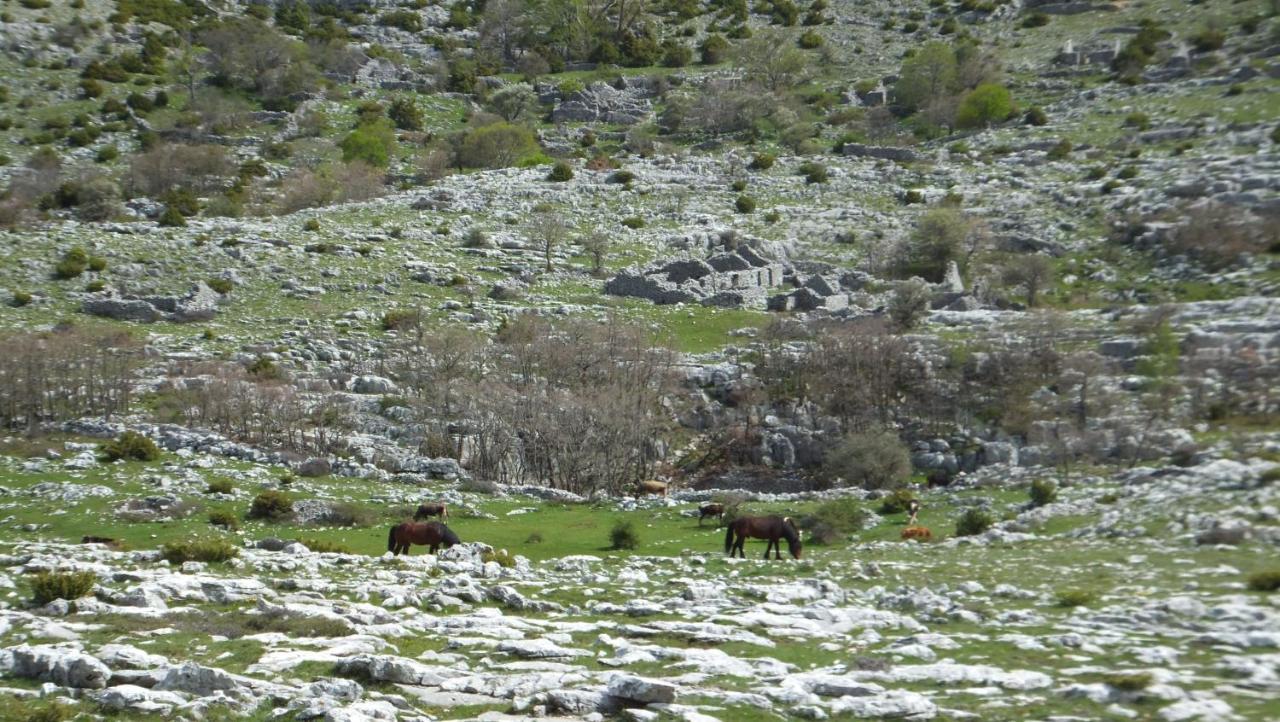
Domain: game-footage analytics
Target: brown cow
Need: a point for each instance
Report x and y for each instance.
(426, 510)
(712, 510)
(651, 486)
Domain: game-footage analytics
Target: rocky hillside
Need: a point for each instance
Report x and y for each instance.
(273, 273)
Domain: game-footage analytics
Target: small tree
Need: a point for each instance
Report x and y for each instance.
(714, 49)
(909, 304)
(1031, 273)
(548, 229)
(374, 143)
(596, 245)
(873, 460)
(514, 102)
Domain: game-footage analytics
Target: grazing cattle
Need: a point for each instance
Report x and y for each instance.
(426, 510)
(651, 487)
(706, 510)
(433, 533)
(772, 528)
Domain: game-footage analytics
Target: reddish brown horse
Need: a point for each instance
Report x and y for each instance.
(772, 528)
(426, 510)
(433, 533)
(710, 510)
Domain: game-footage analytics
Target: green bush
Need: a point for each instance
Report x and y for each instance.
(172, 218)
(219, 486)
(220, 285)
(810, 40)
(633, 222)
(1036, 116)
(1265, 581)
(311, 224)
(714, 49)
(264, 368)
(988, 103)
(1069, 598)
(48, 586)
(1035, 20)
(738, 186)
(813, 172)
(271, 505)
(896, 502)
(745, 204)
(834, 520)
(322, 546)
(560, 172)
(973, 522)
(224, 519)
(374, 143)
(623, 536)
(21, 298)
(621, 176)
(1208, 39)
(1128, 681)
(399, 319)
(405, 114)
(73, 263)
(507, 561)
(131, 446)
(199, 550)
(1043, 492)
(406, 20)
(762, 161)
(1139, 121)
(497, 145)
(1060, 150)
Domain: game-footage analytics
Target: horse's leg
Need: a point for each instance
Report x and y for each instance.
(768, 547)
(777, 548)
(740, 546)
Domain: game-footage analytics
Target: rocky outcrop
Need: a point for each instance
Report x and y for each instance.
(199, 304)
(736, 279)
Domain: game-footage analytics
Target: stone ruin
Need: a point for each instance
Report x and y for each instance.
(199, 304)
(740, 278)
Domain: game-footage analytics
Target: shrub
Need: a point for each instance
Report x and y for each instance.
(1138, 121)
(271, 505)
(199, 550)
(1127, 172)
(676, 54)
(912, 197)
(1208, 39)
(476, 238)
(910, 303)
(48, 586)
(347, 514)
(973, 522)
(1035, 20)
(131, 446)
(264, 368)
(1060, 150)
(1128, 681)
(813, 172)
(988, 103)
(772, 217)
(633, 222)
(171, 218)
(834, 520)
(1036, 116)
(560, 172)
(21, 298)
(1073, 598)
(374, 143)
(506, 560)
(1265, 581)
(810, 40)
(621, 176)
(399, 319)
(225, 519)
(871, 460)
(221, 285)
(897, 502)
(497, 145)
(533, 538)
(714, 49)
(219, 486)
(311, 224)
(623, 536)
(738, 186)
(405, 114)
(406, 20)
(1043, 492)
(745, 204)
(73, 263)
(321, 546)
(762, 161)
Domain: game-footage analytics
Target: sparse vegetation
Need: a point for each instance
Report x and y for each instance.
(211, 550)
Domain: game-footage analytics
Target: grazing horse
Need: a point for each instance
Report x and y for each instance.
(913, 510)
(433, 533)
(772, 528)
(426, 510)
(706, 510)
(651, 487)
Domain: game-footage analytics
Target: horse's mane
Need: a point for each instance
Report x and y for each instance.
(789, 530)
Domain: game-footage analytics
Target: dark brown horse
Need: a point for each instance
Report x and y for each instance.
(712, 510)
(433, 533)
(772, 528)
(426, 510)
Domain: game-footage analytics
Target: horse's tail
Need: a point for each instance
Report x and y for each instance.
(391, 539)
(728, 539)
